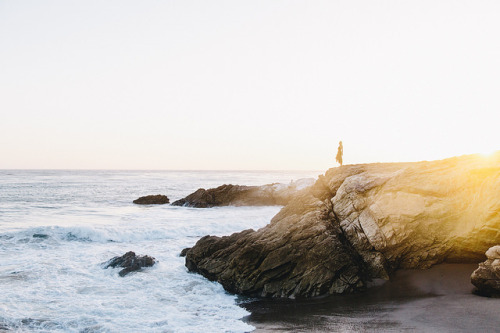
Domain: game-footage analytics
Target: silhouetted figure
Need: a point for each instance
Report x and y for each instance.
(340, 152)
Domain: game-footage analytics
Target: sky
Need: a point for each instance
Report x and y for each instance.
(245, 85)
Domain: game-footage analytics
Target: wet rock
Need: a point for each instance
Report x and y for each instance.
(360, 222)
(158, 199)
(239, 195)
(487, 277)
(184, 252)
(130, 263)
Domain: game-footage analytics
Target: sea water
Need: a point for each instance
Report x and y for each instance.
(57, 228)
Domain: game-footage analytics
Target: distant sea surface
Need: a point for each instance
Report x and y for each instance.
(57, 227)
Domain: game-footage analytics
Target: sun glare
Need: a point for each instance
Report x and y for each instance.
(489, 153)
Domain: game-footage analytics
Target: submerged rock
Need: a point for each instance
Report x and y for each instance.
(158, 199)
(360, 222)
(487, 277)
(130, 263)
(239, 195)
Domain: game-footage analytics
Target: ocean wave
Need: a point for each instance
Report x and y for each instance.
(168, 224)
(57, 227)
(49, 234)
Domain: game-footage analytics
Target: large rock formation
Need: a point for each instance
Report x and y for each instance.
(487, 277)
(158, 199)
(360, 222)
(238, 195)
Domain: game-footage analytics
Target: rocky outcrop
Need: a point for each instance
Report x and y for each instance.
(239, 195)
(487, 277)
(360, 222)
(130, 263)
(158, 199)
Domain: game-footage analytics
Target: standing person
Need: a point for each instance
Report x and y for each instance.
(340, 152)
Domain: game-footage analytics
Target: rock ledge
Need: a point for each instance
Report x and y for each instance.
(239, 195)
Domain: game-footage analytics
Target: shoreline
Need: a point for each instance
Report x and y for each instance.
(435, 299)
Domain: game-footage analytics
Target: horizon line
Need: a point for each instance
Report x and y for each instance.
(175, 170)
(491, 153)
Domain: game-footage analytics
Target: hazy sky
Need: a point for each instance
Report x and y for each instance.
(246, 84)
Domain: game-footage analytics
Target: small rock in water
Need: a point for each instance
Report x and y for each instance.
(158, 199)
(130, 262)
(487, 277)
(44, 236)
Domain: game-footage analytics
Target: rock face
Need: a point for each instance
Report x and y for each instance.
(360, 222)
(238, 195)
(130, 262)
(487, 277)
(152, 200)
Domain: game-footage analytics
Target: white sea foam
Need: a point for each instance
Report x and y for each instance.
(57, 228)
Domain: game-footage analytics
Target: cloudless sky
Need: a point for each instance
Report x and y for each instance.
(256, 84)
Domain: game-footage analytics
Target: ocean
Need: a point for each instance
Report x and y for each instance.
(57, 228)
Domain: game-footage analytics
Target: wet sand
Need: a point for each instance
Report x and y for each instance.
(439, 299)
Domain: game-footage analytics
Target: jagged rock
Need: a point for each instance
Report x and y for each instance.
(487, 277)
(130, 262)
(360, 222)
(158, 199)
(239, 195)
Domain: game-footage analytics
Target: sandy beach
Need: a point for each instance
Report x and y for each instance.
(439, 299)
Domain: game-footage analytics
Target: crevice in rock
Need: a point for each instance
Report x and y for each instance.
(357, 259)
